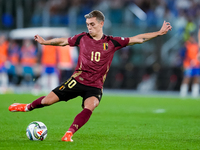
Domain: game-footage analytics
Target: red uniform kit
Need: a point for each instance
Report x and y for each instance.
(95, 57)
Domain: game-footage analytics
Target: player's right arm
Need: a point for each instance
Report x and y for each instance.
(54, 42)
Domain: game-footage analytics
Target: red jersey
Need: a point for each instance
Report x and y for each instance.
(95, 57)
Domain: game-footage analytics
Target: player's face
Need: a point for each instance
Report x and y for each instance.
(94, 26)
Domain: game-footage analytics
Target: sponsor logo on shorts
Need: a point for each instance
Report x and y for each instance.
(62, 87)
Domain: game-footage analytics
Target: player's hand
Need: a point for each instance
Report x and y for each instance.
(39, 39)
(165, 28)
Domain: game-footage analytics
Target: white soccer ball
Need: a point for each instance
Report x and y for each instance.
(36, 131)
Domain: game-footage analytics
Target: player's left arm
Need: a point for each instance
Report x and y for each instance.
(141, 38)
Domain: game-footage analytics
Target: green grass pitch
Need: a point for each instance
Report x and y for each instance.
(119, 123)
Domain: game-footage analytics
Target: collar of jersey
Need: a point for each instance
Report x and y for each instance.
(94, 39)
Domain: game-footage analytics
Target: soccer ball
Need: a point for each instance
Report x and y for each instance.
(36, 131)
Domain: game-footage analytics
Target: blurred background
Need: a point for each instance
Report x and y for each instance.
(156, 65)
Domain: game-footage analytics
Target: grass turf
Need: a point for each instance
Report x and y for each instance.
(118, 123)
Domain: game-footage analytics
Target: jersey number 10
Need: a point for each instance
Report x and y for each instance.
(95, 56)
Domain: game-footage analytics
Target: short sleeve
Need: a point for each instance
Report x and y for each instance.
(75, 40)
(120, 42)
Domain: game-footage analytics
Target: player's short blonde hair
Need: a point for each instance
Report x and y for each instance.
(96, 13)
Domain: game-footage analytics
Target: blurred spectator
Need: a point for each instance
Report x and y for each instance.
(191, 68)
(28, 60)
(3, 60)
(13, 62)
(180, 22)
(67, 58)
(58, 9)
(82, 7)
(116, 12)
(160, 11)
(190, 27)
(36, 19)
(49, 77)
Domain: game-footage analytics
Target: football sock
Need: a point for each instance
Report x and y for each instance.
(35, 104)
(80, 120)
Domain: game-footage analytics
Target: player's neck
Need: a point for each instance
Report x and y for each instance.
(98, 37)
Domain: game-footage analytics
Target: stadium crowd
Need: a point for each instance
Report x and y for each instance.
(62, 11)
(178, 12)
(23, 62)
(38, 69)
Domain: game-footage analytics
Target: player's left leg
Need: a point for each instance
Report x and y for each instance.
(89, 105)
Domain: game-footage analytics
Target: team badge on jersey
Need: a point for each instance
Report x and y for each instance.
(105, 46)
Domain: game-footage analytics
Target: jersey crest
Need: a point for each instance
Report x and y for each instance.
(105, 46)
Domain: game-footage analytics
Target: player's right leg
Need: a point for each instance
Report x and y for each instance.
(50, 99)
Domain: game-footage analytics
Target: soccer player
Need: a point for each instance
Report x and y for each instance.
(191, 68)
(95, 56)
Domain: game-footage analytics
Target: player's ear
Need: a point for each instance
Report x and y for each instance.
(102, 23)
